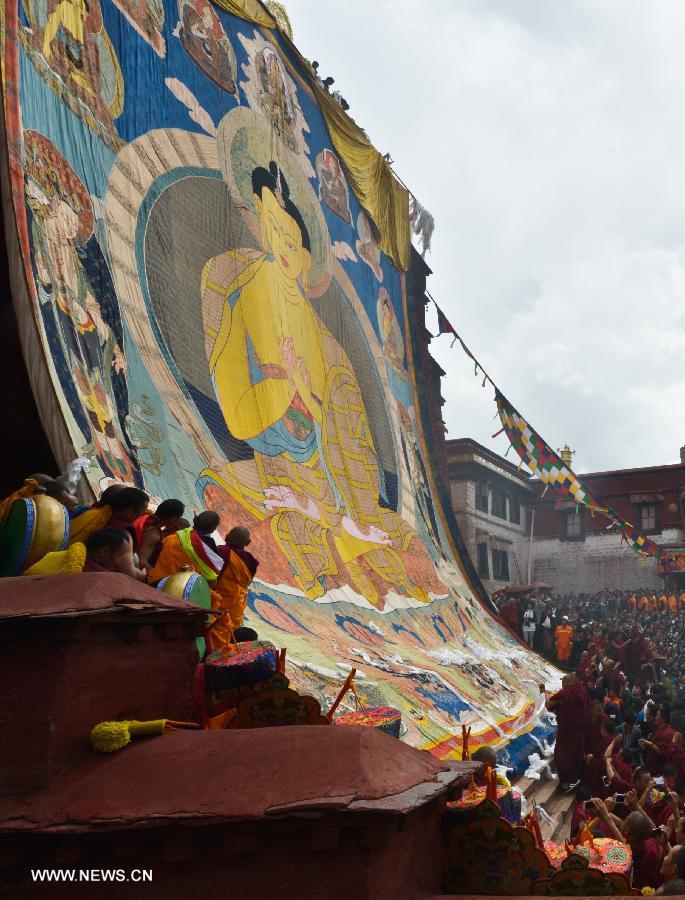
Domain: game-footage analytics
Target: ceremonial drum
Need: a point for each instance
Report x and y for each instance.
(250, 665)
(235, 677)
(606, 854)
(188, 585)
(384, 718)
(35, 526)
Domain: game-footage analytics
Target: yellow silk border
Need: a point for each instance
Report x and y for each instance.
(372, 180)
(251, 10)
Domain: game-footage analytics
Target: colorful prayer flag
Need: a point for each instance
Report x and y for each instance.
(444, 326)
(539, 456)
(550, 468)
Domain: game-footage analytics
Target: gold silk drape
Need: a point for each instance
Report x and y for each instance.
(251, 10)
(370, 177)
(379, 193)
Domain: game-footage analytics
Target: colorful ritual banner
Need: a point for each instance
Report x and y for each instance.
(551, 470)
(207, 313)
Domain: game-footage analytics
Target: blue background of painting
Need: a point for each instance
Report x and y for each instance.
(153, 105)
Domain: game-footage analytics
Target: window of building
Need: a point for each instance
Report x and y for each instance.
(483, 563)
(499, 503)
(500, 565)
(649, 519)
(514, 510)
(482, 496)
(572, 525)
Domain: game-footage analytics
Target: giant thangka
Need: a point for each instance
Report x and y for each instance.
(214, 267)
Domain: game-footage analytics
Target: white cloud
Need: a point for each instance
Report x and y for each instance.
(548, 141)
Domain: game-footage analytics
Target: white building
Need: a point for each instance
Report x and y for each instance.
(490, 498)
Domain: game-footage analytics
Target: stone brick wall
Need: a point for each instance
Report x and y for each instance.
(597, 563)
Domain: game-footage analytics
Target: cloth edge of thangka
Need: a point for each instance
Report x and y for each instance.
(440, 496)
(20, 275)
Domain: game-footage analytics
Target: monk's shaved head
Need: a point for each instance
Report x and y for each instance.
(485, 755)
(637, 827)
(238, 536)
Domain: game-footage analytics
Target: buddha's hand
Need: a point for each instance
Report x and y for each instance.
(288, 354)
(304, 373)
(273, 370)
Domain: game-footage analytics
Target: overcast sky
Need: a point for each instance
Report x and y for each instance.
(547, 138)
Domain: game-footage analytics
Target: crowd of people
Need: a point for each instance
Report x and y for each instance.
(122, 533)
(642, 629)
(620, 741)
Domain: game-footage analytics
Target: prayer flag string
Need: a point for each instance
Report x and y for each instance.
(543, 462)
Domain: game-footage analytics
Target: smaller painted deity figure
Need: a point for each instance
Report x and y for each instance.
(205, 41)
(147, 17)
(426, 524)
(332, 186)
(68, 46)
(66, 27)
(367, 246)
(275, 96)
(391, 335)
(87, 352)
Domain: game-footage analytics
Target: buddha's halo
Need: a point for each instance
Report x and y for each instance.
(245, 142)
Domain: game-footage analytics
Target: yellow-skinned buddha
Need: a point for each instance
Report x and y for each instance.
(285, 387)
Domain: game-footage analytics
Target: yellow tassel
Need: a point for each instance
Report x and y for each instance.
(110, 736)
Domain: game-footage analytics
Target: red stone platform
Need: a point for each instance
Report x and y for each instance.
(298, 812)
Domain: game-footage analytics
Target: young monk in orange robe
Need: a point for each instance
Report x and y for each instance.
(192, 547)
(230, 595)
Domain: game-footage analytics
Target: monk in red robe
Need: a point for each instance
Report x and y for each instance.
(595, 762)
(659, 746)
(618, 650)
(637, 832)
(511, 615)
(571, 706)
(593, 727)
(639, 652)
(152, 528)
(676, 754)
(119, 507)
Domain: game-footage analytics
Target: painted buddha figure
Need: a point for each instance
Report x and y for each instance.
(268, 362)
(286, 387)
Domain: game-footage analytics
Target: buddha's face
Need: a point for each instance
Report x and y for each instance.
(282, 236)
